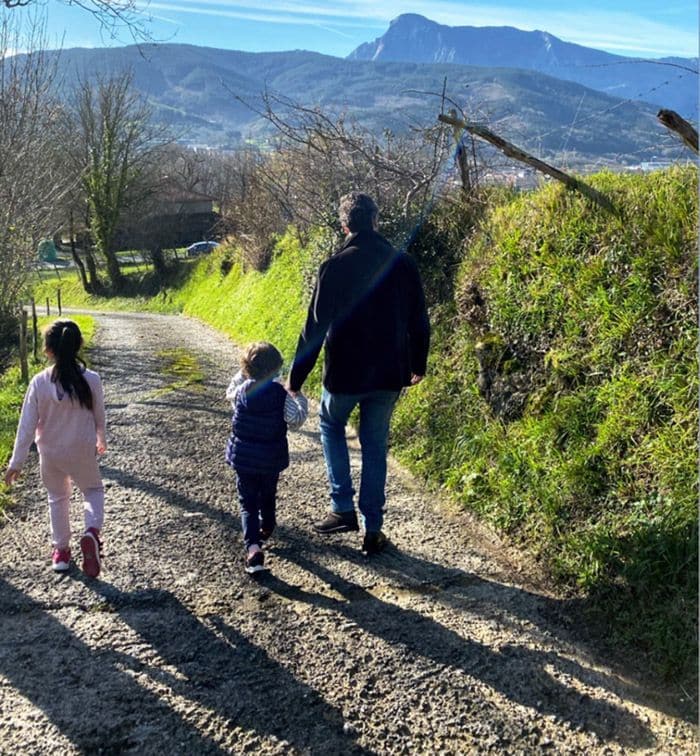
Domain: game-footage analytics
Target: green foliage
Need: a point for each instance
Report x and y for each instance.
(12, 393)
(437, 245)
(141, 290)
(597, 473)
(253, 306)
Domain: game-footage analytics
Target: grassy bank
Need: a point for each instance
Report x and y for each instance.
(565, 382)
(12, 393)
(561, 403)
(142, 291)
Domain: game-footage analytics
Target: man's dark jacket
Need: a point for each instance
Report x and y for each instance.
(369, 307)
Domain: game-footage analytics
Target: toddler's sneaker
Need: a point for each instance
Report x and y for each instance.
(60, 560)
(255, 559)
(91, 548)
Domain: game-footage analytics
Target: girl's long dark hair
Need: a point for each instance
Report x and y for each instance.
(63, 339)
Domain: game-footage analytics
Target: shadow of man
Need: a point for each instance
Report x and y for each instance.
(220, 670)
(519, 672)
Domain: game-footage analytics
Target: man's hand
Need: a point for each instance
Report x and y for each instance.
(289, 390)
(416, 379)
(11, 476)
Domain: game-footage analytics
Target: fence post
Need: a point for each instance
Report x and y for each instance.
(60, 312)
(24, 367)
(35, 331)
(48, 307)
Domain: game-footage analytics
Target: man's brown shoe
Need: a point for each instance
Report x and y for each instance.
(373, 543)
(337, 522)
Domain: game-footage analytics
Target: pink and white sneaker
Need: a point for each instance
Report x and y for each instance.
(255, 560)
(60, 560)
(91, 548)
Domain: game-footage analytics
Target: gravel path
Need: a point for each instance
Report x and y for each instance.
(440, 645)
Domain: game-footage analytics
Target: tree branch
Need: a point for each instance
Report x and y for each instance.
(671, 120)
(515, 152)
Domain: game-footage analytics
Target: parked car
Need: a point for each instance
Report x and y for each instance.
(200, 248)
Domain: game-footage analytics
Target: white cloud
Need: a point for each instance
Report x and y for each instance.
(165, 19)
(265, 16)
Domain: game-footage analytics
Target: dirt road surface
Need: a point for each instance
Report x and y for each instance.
(445, 643)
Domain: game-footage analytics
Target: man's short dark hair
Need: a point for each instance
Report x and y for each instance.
(357, 211)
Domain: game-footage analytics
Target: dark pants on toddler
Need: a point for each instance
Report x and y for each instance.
(257, 496)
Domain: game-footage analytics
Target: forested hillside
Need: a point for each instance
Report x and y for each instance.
(195, 90)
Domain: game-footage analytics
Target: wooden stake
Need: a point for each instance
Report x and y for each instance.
(24, 366)
(688, 133)
(48, 307)
(35, 331)
(58, 293)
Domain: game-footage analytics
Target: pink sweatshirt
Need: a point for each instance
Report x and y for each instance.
(60, 427)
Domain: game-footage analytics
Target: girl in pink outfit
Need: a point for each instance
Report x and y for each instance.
(64, 413)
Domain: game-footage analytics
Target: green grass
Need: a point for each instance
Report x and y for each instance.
(142, 291)
(594, 321)
(12, 393)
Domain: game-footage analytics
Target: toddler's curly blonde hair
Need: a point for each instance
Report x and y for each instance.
(261, 360)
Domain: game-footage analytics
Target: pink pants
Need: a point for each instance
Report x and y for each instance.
(58, 475)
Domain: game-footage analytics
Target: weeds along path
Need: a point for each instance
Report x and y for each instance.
(436, 646)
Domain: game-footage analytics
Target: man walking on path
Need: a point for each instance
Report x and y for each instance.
(368, 307)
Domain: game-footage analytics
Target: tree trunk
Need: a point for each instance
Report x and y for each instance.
(76, 258)
(158, 259)
(113, 270)
(92, 270)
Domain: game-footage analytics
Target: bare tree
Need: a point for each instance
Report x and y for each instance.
(114, 16)
(114, 154)
(318, 156)
(31, 184)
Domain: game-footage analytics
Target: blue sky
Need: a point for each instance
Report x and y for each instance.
(642, 28)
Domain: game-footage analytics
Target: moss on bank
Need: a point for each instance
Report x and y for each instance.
(562, 398)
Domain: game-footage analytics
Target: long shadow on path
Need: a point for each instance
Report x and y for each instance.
(223, 681)
(516, 671)
(226, 673)
(81, 690)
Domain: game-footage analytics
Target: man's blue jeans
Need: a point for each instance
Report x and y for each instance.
(375, 414)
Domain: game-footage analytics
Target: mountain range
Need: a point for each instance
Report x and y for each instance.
(207, 93)
(667, 82)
